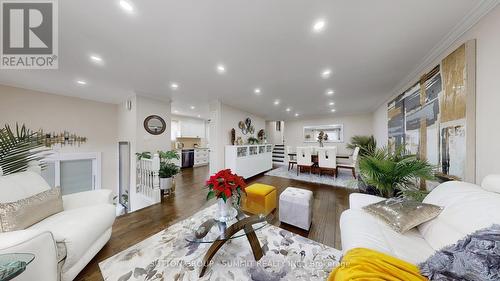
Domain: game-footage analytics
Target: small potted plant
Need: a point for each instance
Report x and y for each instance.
(227, 188)
(167, 169)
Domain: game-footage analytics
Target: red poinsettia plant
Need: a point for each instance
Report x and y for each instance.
(224, 184)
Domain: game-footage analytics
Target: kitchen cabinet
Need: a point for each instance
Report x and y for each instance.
(200, 157)
(192, 128)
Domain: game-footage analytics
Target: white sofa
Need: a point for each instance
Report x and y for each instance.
(467, 208)
(63, 243)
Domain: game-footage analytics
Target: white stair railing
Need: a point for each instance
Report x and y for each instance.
(148, 179)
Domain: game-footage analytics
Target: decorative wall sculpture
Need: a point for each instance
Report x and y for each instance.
(64, 138)
(435, 118)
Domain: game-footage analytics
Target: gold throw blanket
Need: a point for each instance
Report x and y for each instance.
(365, 264)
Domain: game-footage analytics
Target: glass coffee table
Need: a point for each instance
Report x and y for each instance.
(11, 265)
(218, 233)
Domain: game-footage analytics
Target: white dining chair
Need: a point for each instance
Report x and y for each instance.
(290, 159)
(304, 159)
(327, 160)
(351, 162)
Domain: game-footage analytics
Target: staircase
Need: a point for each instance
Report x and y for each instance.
(279, 154)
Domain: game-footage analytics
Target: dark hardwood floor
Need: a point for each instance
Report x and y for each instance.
(329, 202)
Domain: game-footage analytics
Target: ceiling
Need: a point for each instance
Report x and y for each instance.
(370, 47)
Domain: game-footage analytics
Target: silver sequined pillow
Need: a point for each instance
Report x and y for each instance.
(403, 214)
(25, 212)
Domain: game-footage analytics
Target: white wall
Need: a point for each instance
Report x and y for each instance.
(149, 106)
(353, 125)
(486, 33)
(53, 113)
(222, 119)
(380, 129)
(230, 118)
(273, 136)
(131, 129)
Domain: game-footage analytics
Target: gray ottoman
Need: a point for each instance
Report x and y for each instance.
(296, 207)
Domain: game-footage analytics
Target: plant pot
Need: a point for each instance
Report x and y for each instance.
(225, 210)
(166, 183)
(367, 189)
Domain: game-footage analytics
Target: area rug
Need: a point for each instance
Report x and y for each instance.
(344, 179)
(167, 256)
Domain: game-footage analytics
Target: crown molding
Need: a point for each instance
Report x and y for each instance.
(471, 19)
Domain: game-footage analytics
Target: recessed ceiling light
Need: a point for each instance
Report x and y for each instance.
(176, 111)
(276, 102)
(330, 92)
(326, 73)
(127, 6)
(221, 68)
(174, 86)
(96, 58)
(331, 103)
(297, 115)
(199, 116)
(81, 82)
(192, 107)
(319, 25)
(288, 109)
(257, 91)
(333, 110)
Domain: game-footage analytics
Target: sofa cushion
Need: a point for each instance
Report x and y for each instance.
(402, 214)
(21, 185)
(25, 212)
(466, 208)
(78, 229)
(362, 230)
(491, 183)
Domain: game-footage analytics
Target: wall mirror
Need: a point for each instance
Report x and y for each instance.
(334, 133)
(154, 125)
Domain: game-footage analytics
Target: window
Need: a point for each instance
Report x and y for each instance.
(74, 172)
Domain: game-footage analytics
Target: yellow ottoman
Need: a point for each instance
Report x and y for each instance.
(260, 199)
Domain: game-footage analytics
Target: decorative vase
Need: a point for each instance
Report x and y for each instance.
(225, 210)
(165, 183)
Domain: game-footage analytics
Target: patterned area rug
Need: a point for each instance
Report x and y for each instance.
(168, 256)
(344, 179)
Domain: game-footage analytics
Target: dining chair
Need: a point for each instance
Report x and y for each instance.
(327, 160)
(351, 163)
(292, 160)
(304, 159)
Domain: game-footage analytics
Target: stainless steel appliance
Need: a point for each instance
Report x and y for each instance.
(187, 158)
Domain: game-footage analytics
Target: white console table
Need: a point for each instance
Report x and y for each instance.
(249, 160)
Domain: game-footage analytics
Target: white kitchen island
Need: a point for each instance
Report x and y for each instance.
(249, 160)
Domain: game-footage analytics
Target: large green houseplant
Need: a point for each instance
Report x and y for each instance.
(167, 169)
(367, 144)
(18, 148)
(396, 172)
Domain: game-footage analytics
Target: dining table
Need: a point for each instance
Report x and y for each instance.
(314, 157)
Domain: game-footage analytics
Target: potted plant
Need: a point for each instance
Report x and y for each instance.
(367, 145)
(19, 148)
(167, 169)
(321, 138)
(253, 140)
(227, 188)
(395, 173)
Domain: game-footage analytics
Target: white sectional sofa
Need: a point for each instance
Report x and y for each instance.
(65, 242)
(467, 208)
